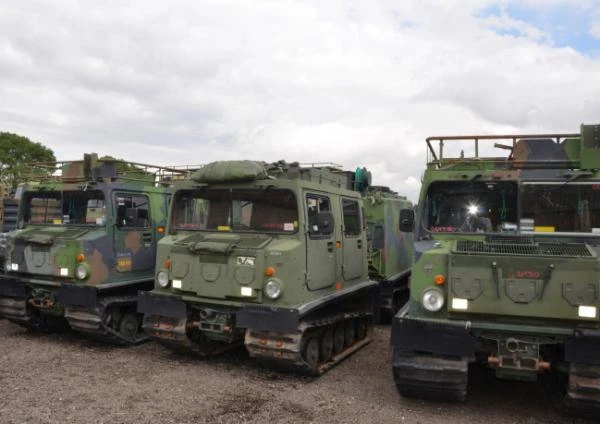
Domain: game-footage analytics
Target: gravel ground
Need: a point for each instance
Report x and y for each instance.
(66, 378)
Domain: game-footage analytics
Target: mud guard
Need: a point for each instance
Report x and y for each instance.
(583, 347)
(167, 306)
(12, 288)
(71, 294)
(412, 335)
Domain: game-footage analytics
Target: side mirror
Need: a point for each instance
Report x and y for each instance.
(407, 220)
(325, 223)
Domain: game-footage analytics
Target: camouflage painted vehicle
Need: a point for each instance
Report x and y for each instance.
(389, 250)
(507, 269)
(85, 244)
(273, 256)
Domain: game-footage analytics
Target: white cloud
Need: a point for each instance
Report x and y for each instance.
(351, 82)
(595, 30)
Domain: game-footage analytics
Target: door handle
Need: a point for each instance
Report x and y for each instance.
(330, 246)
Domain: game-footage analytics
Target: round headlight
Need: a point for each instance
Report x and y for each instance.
(432, 300)
(162, 279)
(272, 289)
(8, 265)
(81, 271)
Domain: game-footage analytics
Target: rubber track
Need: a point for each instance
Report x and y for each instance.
(582, 397)
(431, 377)
(284, 350)
(174, 337)
(92, 322)
(17, 312)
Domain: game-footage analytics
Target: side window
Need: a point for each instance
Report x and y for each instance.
(351, 211)
(132, 211)
(320, 217)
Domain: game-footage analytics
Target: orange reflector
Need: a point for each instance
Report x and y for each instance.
(338, 244)
(439, 279)
(270, 271)
(168, 264)
(338, 286)
(79, 258)
(160, 230)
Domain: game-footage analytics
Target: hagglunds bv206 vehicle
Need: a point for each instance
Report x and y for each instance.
(506, 269)
(390, 250)
(85, 244)
(271, 255)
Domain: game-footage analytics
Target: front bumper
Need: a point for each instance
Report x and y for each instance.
(249, 316)
(457, 338)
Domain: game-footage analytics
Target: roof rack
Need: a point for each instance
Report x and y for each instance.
(436, 158)
(94, 169)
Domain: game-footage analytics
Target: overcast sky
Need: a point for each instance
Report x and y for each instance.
(359, 83)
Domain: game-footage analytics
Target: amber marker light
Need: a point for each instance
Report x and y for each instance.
(338, 286)
(168, 264)
(160, 230)
(439, 279)
(270, 271)
(80, 258)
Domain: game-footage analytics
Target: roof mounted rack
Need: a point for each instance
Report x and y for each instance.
(94, 169)
(523, 150)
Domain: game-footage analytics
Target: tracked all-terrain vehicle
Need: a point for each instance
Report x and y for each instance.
(85, 244)
(507, 268)
(270, 255)
(390, 250)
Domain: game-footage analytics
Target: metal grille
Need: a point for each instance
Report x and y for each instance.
(539, 249)
(509, 238)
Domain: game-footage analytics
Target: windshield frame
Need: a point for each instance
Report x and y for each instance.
(25, 209)
(229, 228)
(521, 226)
(460, 210)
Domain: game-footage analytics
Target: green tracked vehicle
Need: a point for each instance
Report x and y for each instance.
(270, 256)
(85, 244)
(9, 203)
(507, 268)
(389, 250)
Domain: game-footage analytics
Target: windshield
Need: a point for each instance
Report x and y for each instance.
(65, 207)
(561, 207)
(471, 207)
(260, 210)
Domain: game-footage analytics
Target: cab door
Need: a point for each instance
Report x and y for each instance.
(135, 247)
(353, 243)
(321, 259)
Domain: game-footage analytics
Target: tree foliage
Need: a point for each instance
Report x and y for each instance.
(16, 153)
(129, 169)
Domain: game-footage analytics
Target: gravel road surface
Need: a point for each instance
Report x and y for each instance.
(66, 378)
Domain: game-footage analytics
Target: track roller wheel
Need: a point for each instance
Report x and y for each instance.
(310, 353)
(338, 337)
(349, 333)
(129, 326)
(326, 345)
(361, 328)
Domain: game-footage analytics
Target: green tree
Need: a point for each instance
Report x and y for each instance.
(16, 153)
(127, 168)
